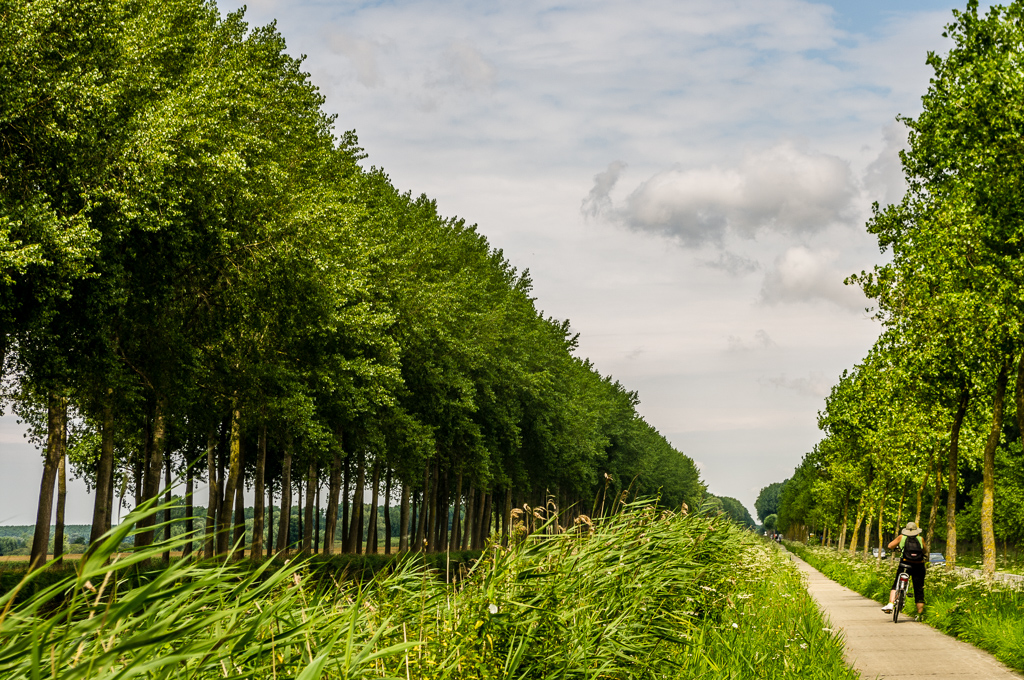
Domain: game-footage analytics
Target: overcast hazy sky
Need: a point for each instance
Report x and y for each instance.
(686, 180)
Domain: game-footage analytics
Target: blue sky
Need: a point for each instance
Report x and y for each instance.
(687, 182)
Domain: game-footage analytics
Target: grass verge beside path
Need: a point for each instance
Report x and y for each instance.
(642, 595)
(989, 615)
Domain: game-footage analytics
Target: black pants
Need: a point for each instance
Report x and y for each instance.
(916, 571)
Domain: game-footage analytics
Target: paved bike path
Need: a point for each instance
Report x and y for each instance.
(879, 648)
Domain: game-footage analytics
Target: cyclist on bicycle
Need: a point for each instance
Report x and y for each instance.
(911, 561)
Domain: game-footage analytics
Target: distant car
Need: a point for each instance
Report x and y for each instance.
(936, 558)
(874, 552)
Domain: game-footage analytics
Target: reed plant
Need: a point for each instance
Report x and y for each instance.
(987, 614)
(643, 594)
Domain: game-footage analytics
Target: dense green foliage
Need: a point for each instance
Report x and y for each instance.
(732, 509)
(987, 614)
(646, 593)
(928, 426)
(199, 277)
(767, 502)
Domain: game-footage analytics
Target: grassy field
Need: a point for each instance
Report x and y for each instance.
(988, 615)
(645, 594)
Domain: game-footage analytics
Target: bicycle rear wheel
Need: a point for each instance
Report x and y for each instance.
(898, 606)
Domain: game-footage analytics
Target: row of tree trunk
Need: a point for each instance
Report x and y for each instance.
(443, 512)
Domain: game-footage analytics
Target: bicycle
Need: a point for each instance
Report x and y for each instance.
(901, 594)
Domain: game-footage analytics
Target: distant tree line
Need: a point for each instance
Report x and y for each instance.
(200, 280)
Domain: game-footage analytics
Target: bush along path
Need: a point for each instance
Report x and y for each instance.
(987, 615)
(647, 593)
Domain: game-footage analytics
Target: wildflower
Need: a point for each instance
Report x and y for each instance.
(492, 608)
(735, 625)
(297, 579)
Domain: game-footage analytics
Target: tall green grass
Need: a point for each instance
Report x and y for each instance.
(987, 614)
(644, 594)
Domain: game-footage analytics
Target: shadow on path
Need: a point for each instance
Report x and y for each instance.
(879, 648)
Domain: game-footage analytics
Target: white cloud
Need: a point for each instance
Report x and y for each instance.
(361, 53)
(467, 67)
(731, 263)
(804, 275)
(761, 341)
(814, 385)
(784, 188)
(599, 202)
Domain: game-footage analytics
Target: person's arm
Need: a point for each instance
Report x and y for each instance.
(894, 542)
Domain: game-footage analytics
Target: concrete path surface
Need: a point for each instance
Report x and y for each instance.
(879, 648)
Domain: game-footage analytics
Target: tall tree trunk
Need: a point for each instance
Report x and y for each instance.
(154, 466)
(506, 518)
(881, 527)
(988, 536)
(186, 549)
(316, 520)
(856, 527)
(868, 523)
(270, 520)
(468, 522)
(234, 477)
(334, 490)
(167, 502)
(842, 531)
(953, 471)
(361, 526)
(488, 517)
(414, 527)
(430, 508)
(56, 415)
(387, 512)
(307, 536)
(371, 538)
(298, 514)
(102, 511)
(934, 511)
(139, 464)
(481, 520)
(259, 484)
(223, 451)
(239, 535)
(478, 514)
(356, 529)
(213, 502)
(421, 519)
(403, 520)
(62, 497)
(443, 511)
(286, 500)
(453, 541)
(345, 505)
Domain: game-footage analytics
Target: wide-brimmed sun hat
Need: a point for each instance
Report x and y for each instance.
(911, 529)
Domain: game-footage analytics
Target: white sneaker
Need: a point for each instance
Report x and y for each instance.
(887, 608)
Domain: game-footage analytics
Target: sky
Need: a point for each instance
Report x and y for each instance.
(687, 181)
